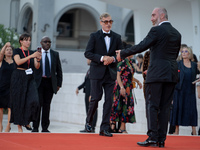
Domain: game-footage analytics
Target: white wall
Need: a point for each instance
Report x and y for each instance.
(99, 6)
(67, 107)
(23, 2)
(5, 12)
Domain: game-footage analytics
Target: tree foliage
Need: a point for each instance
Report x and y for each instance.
(8, 35)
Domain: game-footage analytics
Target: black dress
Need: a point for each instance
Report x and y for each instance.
(6, 70)
(23, 93)
(184, 112)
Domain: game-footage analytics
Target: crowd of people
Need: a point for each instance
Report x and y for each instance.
(30, 78)
(160, 70)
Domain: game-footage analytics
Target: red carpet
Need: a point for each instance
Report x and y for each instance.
(62, 141)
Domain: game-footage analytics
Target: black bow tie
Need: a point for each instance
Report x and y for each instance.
(106, 34)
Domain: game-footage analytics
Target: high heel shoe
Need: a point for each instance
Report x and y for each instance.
(122, 131)
(27, 127)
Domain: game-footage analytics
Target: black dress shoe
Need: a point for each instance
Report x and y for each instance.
(83, 130)
(105, 133)
(47, 131)
(35, 130)
(199, 132)
(148, 143)
(161, 144)
(88, 127)
(93, 130)
(27, 127)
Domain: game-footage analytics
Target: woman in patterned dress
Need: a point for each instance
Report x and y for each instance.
(123, 100)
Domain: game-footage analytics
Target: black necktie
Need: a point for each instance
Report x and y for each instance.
(47, 67)
(106, 34)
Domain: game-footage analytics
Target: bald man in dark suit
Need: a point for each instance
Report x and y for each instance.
(164, 42)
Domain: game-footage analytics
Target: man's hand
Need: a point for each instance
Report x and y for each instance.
(58, 88)
(107, 60)
(77, 91)
(118, 55)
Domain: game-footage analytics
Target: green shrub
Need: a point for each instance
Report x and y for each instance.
(8, 35)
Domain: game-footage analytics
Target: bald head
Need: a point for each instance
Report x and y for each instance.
(163, 11)
(158, 15)
(45, 37)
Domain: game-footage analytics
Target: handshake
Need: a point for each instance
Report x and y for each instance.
(109, 59)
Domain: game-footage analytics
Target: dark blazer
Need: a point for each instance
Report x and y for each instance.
(85, 85)
(181, 74)
(96, 48)
(164, 42)
(56, 71)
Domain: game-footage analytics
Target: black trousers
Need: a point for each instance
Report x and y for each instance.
(94, 122)
(97, 86)
(45, 92)
(158, 99)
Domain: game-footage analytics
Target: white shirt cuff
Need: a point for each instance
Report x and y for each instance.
(101, 58)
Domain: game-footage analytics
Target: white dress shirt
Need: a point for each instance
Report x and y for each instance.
(43, 60)
(162, 22)
(107, 41)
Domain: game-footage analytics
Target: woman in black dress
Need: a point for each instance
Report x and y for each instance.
(184, 112)
(6, 69)
(23, 90)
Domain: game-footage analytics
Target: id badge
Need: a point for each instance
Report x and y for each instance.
(29, 71)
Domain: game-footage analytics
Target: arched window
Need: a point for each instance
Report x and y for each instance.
(74, 28)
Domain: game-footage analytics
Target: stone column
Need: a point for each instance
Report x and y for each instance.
(14, 13)
(43, 18)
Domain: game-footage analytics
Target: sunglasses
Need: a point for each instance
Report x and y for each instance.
(184, 51)
(46, 41)
(106, 21)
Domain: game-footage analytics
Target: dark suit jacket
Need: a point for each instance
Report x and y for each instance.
(164, 42)
(56, 71)
(85, 85)
(96, 48)
(181, 73)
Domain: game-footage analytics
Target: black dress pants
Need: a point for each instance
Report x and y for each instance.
(45, 92)
(94, 122)
(97, 87)
(158, 100)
